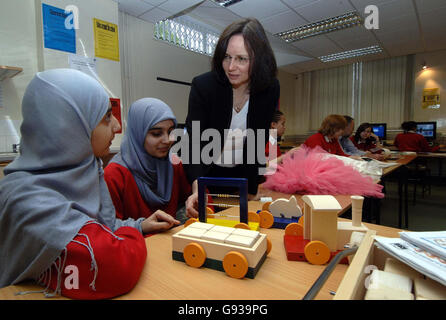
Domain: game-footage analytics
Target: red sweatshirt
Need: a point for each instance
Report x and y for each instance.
(332, 146)
(411, 141)
(268, 146)
(129, 202)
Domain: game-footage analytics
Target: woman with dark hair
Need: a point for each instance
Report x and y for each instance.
(240, 93)
(327, 137)
(410, 140)
(365, 140)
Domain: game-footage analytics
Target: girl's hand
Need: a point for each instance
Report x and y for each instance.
(159, 221)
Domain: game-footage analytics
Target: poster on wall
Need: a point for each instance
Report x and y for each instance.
(84, 64)
(116, 110)
(106, 40)
(431, 98)
(55, 34)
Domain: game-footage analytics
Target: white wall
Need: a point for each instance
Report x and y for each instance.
(145, 59)
(433, 77)
(18, 48)
(21, 45)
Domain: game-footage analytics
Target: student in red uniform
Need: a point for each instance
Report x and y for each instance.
(331, 129)
(141, 178)
(278, 123)
(55, 208)
(410, 140)
(365, 140)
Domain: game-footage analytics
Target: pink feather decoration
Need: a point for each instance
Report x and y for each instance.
(303, 171)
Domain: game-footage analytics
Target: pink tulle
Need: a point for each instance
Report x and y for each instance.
(303, 171)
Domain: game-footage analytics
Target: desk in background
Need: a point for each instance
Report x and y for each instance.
(166, 279)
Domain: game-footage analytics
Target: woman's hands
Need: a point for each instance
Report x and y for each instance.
(159, 221)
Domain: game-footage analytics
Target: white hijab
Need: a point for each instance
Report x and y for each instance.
(56, 184)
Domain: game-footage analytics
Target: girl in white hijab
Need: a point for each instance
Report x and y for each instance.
(55, 209)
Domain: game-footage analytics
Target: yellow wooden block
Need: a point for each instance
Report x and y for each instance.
(232, 223)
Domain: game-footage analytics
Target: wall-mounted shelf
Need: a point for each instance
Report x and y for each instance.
(9, 72)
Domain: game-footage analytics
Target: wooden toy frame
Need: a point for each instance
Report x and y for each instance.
(240, 183)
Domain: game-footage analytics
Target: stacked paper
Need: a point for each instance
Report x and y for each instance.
(433, 242)
(425, 262)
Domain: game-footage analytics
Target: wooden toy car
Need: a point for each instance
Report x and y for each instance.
(318, 236)
(279, 213)
(236, 251)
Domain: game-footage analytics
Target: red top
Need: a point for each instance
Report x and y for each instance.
(268, 146)
(332, 146)
(366, 146)
(411, 141)
(129, 202)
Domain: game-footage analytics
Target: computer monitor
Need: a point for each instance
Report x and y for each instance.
(428, 130)
(380, 129)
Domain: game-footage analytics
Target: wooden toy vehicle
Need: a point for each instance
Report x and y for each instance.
(318, 236)
(238, 252)
(207, 215)
(279, 213)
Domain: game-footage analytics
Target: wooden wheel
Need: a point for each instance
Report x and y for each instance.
(266, 206)
(190, 221)
(317, 252)
(266, 219)
(194, 255)
(242, 225)
(235, 264)
(253, 217)
(294, 229)
(269, 246)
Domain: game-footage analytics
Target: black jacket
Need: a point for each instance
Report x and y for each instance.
(210, 102)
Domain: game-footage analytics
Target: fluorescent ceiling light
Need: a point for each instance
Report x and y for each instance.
(226, 3)
(351, 54)
(347, 20)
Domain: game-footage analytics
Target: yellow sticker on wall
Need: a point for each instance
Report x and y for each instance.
(106, 40)
(431, 98)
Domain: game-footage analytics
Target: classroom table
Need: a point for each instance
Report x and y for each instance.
(166, 279)
(403, 198)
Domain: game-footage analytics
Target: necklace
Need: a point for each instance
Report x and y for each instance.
(239, 106)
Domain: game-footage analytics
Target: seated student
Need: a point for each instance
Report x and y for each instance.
(365, 140)
(55, 208)
(278, 123)
(347, 143)
(141, 178)
(331, 129)
(410, 140)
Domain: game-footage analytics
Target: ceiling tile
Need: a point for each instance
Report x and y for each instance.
(320, 10)
(154, 2)
(155, 15)
(426, 6)
(353, 38)
(282, 22)
(176, 6)
(317, 46)
(258, 8)
(214, 14)
(134, 7)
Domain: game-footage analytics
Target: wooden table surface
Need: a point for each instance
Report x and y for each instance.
(166, 279)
